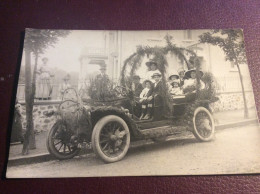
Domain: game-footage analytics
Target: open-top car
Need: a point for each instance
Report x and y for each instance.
(111, 124)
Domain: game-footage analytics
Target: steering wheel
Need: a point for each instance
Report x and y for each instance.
(120, 91)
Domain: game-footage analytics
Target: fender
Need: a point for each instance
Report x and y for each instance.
(101, 111)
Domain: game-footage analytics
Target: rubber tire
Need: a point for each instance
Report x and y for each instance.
(95, 138)
(195, 131)
(51, 148)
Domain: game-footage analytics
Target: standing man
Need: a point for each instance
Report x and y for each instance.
(102, 83)
(156, 98)
(136, 86)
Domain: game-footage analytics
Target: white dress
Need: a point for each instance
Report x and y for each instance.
(193, 82)
(43, 82)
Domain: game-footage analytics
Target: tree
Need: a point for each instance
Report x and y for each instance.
(231, 42)
(35, 43)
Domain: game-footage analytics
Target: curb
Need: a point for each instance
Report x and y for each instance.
(37, 158)
(236, 124)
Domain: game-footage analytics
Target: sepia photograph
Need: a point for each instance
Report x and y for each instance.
(133, 103)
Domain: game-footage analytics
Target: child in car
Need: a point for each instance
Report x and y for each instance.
(144, 96)
(175, 88)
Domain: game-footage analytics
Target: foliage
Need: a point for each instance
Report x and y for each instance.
(159, 55)
(230, 41)
(37, 41)
(210, 90)
(178, 51)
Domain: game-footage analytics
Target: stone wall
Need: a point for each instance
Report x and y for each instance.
(41, 122)
(233, 101)
(227, 101)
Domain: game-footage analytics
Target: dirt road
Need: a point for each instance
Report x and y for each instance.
(234, 150)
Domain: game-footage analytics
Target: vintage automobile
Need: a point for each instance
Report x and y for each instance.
(110, 125)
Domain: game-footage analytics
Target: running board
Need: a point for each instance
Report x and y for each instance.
(163, 131)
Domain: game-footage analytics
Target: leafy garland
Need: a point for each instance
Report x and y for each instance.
(159, 55)
(134, 61)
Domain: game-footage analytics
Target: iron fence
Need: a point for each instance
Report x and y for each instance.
(224, 84)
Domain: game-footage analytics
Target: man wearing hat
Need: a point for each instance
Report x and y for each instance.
(156, 97)
(190, 82)
(136, 86)
(152, 69)
(102, 83)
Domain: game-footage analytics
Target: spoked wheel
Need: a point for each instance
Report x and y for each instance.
(58, 142)
(111, 138)
(203, 124)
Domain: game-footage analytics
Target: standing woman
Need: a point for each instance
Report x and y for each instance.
(152, 69)
(43, 81)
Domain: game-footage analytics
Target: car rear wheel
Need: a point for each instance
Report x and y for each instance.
(203, 124)
(111, 138)
(58, 142)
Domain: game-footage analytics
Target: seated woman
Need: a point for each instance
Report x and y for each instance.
(175, 88)
(190, 82)
(145, 94)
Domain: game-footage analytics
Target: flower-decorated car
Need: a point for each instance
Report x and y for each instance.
(111, 123)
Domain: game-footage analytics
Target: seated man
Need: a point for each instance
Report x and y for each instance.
(156, 97)
(145, 94)
(136, 86)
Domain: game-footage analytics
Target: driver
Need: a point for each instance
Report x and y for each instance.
(136, 86)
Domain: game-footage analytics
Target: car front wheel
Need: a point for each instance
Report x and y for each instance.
(111, 138)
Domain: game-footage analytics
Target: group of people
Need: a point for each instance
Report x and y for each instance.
(150, 92)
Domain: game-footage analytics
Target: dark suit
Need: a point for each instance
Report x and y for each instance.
(157, 89)
(137, 89)
(157, 101)
(157, 94)
(102, 84)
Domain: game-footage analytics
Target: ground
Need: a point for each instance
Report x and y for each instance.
(40, 138)
(234, 150)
